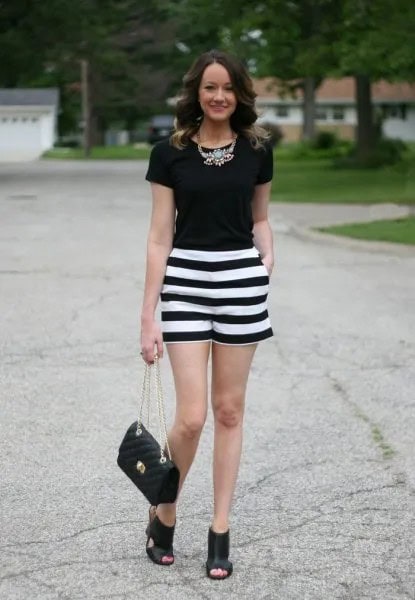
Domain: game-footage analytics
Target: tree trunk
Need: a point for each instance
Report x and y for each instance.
(86, 107)
(309, 108)
(95, 132)
(365, 126)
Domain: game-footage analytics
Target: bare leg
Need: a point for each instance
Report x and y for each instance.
(189, 364)
(230, 370)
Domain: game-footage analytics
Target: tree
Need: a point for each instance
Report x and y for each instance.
(376, 41)
(287, 39)
(125, 45)
(303, 41)
(296, 46)
(19, 60)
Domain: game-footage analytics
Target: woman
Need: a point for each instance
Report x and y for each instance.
(209, 257)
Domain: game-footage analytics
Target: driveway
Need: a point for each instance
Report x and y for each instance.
(324, 506)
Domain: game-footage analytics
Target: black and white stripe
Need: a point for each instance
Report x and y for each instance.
(219, 296)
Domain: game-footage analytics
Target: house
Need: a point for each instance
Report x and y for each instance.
(28, 122)
(336, 107)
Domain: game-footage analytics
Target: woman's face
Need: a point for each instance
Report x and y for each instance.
(216, 96)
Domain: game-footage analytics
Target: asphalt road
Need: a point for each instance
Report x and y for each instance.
(324, 507)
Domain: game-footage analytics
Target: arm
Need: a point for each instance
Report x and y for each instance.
(159, 244)
(262, 231)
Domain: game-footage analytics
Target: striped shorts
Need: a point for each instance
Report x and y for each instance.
(215, 296)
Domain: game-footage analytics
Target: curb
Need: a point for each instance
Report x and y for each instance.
(352, 243)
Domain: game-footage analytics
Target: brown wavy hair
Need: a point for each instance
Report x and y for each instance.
(189, 113)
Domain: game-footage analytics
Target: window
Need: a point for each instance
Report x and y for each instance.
(321, 114)
(282, 111)
(338, 113)
(394, 111)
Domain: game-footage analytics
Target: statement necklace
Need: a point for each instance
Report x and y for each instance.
(217, 156)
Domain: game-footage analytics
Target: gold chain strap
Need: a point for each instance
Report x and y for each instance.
(146, 398)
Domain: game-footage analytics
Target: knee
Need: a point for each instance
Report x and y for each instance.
(229, 413)
(190, 426)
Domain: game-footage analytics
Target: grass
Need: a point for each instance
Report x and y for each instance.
(300, 179)
(315, 180)
(401, 231)
(101, 153)
(377, 436)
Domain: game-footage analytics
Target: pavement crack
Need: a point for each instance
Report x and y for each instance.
(377, 435)
(43, 585)
(43, 353)
(24, 272)
(401, 585)
(94, 303)
(41, 569)
(67, 537)
(278, 533)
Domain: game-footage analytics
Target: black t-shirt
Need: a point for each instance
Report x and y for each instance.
(213, 203)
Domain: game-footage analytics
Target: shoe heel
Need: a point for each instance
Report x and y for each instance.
(218, 554)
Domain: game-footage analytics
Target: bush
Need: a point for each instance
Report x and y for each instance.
(325, 140)
(386, 152)
(306, 149)
(274, 131)
(69, 141)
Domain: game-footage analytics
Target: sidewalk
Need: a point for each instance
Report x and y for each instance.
(323, 215)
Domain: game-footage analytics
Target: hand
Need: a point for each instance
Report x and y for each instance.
(151, 341)
(268, 262)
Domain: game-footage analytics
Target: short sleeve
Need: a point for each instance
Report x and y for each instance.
(266, 165)
(158, 169)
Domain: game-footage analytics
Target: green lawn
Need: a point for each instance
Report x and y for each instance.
(315, 180)
(301, 179)
(102, 152)
(401, 231)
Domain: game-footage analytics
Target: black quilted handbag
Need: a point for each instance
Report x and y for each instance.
(140, 455)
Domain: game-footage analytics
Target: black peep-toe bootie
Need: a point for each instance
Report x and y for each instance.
(218, 553)
(162, 537)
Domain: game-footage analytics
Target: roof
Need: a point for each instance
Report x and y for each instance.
(339, 90)
(29, 97)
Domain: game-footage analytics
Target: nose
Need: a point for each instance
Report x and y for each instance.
(219, 95)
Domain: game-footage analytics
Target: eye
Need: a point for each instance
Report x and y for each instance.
(209, 87)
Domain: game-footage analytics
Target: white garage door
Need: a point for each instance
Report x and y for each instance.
(20, 137)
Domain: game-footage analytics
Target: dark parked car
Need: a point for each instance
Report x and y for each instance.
(161, 127)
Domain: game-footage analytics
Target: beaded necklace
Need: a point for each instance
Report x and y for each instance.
(217, 156)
